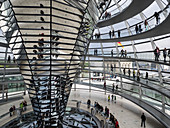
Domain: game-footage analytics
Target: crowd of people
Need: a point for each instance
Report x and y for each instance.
(165, 54)
(138, 27)
(99, 108)
(22, 107)
(157, 53)
(106, 15)
(123, 53)
(9, 59)
(95, 51)
(12, 110)
(97, 35)
(134, 74)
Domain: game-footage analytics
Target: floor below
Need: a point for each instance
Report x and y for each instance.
(127, 113)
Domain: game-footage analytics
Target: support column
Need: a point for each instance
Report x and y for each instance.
(135, 56)
(104, 73)
(89, 73)
(3, 86)
(74, 86)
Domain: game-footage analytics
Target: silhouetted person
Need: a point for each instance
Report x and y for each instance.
(110, 34)
(138, 75)
(122, 53)
(164, 54)
(112, 97)
(112, 52)
(104, 85)
(116, 87)
(11, 110)
(113, 87)
(146, 76)
(157, 54)
(124, 72)
(136, 29)
(88, 103)
(129, 72)
(118, 33)
(143, 119)
(113, 33)
(125, 53)
(140, 29)
(14, 109)
(9, 59)
(111, 68)
(156, 14)
(95, 52)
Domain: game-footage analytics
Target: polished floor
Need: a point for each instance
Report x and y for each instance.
(127, 113)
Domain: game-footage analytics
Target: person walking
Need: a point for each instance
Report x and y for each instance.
(88, 103)
(110, 34)
(112, 97)
(143, 119)
(21, 106)
(164, 54)
(115, 99)
(111, 69)
(125, 53)
(116, 124)
(117, 88)
(122, 53)
(146, 76)
(105, 85)
(138, 75)
(11, 110)
(113, 33)
(124, 71)
(146, 25)
(158, 53)
(112, 53)
(140, 28)
(105, 110)
(118, 32)
(155, 53)
(156, 14)
(113, 89)
(129, 72)
(9, 59)
(107, 113)
(14, 109)
(108, 98)
(136, 29)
